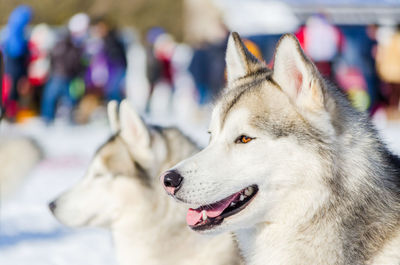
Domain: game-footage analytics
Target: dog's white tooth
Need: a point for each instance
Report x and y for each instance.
(241, 198)
(232, 204)
(204, 215)
(248, 191)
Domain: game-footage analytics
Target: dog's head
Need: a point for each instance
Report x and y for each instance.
(268, 132)
(118, 178)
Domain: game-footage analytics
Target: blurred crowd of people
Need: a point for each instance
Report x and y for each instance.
(48, 71)
(68, 71)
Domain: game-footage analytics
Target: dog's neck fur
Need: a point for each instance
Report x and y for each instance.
(289, 241)
(163, 237)
(367, 227)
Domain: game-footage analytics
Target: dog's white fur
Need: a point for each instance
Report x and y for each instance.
(146, 228)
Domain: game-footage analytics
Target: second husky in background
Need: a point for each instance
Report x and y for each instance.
(121, 191)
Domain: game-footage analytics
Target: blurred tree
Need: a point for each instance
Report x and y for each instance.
(141, 14)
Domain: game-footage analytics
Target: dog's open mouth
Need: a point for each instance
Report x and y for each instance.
(207, 216)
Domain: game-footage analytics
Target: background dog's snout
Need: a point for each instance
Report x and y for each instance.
(172, 181)
(52, 206)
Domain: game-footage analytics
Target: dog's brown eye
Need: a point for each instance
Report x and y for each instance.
(243, 139)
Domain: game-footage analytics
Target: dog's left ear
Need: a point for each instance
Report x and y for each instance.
(297, 75)
(135, 133)
(239, 61)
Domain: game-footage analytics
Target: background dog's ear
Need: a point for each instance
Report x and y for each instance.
(135, 133)
(296, 75)
(112, 111)
(239, 61)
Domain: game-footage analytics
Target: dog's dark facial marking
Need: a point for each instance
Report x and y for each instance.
(142, 174)
(245, 85)
(109, 140)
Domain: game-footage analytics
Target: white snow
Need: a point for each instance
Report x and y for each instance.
(29, 234)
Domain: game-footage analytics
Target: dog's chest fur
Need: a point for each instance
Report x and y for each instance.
(271, 244)
(281, 244)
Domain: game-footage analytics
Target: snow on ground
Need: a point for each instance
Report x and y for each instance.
(29, 234)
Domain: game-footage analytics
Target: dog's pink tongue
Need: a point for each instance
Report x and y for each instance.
(194, 216)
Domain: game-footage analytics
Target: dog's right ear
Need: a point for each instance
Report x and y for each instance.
(112, 111)
(239, 61)
(135, 133)
(297, 76)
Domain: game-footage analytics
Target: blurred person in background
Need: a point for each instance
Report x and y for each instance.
(208, 69)
(164, 48)
(107, 67)
(388, 69)
(351, 79)
(67, 67)
(322, 41)
(40, 45)
(355, 72)
(16, 54)
(162, 75)
(153, 70)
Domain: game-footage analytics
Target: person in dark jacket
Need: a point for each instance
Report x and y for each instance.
(109, 58)
(66, 65)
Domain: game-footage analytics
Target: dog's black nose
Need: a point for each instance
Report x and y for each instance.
(52, 206)
(172, 181)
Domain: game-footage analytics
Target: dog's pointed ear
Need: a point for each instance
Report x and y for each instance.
(135, 133)
(239, 61)
(112, 112)
(297, 75)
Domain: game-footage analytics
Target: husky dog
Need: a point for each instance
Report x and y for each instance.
(292, 169)
(121, 192)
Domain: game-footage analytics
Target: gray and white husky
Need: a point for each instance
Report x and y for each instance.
(121, 191)
(292, 169)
